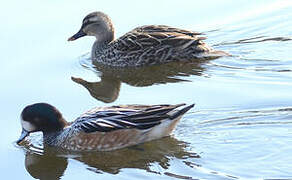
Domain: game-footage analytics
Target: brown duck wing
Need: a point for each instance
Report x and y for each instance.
(155, 37)
(126, 117)
(165, 29)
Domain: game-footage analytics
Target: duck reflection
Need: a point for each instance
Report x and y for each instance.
(107, 89)
(46, 166)
(53, 162)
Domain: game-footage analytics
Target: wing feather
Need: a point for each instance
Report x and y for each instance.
(122, 117)
(145, 37)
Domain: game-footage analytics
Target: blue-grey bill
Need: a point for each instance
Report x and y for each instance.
(23, 135)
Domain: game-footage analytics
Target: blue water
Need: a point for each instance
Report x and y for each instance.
(239, 128)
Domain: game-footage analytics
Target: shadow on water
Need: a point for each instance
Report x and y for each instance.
(52, 163)
(107, 89)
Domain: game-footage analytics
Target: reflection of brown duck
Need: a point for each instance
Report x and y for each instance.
(160, 74)
(53, 162)
(107, 90)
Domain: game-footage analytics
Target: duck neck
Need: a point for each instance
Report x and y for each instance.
(103, 40)
(99, 44)
(97, 48)
(51, 138)
(104, 34)
(103, 37)
(106, 38)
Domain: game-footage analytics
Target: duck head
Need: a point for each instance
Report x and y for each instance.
(40, 117)
(96, 24)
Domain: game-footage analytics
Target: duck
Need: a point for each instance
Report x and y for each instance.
(101, 128)
(144, 45)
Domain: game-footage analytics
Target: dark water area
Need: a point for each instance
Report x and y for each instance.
(241, 126)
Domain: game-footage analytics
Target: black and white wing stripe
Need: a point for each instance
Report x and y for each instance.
(127, 117)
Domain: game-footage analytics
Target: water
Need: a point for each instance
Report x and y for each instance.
(240, 127)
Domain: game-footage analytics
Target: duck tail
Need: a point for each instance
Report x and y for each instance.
(181, 112)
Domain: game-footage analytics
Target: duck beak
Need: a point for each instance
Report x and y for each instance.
(77, 35)
(23, 135)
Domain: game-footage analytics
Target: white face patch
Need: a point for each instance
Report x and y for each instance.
(27, 126)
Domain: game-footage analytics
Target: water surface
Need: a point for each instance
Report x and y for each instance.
(240, 127)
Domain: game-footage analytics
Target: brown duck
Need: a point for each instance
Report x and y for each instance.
(145, 45)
